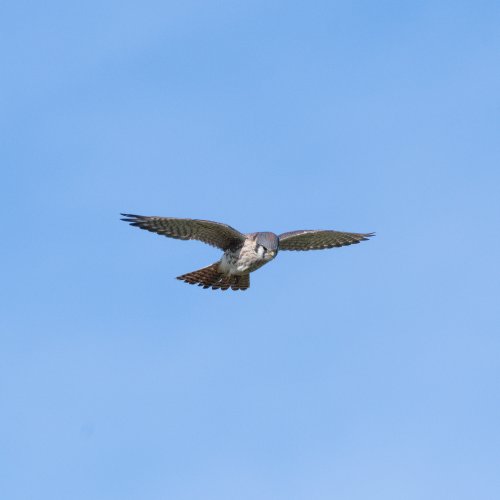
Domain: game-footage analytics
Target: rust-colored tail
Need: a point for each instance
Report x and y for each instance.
(210, 277)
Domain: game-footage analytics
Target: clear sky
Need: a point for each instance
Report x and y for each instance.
(366, 372)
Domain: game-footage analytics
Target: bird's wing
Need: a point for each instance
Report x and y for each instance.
(214, 233)
(309, 239)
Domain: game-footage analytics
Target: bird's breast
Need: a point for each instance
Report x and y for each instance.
(241, 261)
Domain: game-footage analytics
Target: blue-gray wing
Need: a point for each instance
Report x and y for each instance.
(309, 239)
(213, 233)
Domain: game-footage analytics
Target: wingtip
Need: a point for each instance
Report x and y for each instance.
(130, 217)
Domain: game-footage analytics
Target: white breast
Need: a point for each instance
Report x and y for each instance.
(241, 262)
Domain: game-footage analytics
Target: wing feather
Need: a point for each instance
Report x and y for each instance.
(310, 239)
(213, 233)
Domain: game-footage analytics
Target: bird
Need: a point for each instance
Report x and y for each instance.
(243, 253)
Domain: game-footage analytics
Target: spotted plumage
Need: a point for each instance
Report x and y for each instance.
(243, 253)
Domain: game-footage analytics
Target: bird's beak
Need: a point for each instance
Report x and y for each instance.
(272, 252)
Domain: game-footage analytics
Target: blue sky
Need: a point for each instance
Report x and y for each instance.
(363, 372)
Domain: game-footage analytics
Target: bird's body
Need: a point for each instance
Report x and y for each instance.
(247, 257)
(243, 253)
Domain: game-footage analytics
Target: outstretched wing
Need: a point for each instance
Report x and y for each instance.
(309, 239)
(214, 233)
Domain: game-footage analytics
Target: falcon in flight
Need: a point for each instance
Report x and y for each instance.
(243, 253)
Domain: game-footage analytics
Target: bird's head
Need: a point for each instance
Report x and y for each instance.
(267, 245)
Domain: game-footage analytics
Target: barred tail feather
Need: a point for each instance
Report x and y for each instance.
(210, 277)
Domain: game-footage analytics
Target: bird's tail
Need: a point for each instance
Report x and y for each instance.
(210, 277)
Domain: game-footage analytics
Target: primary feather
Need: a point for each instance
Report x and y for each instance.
(310, 239)
(213, 233)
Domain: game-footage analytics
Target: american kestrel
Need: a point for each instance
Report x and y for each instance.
(243, 253)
